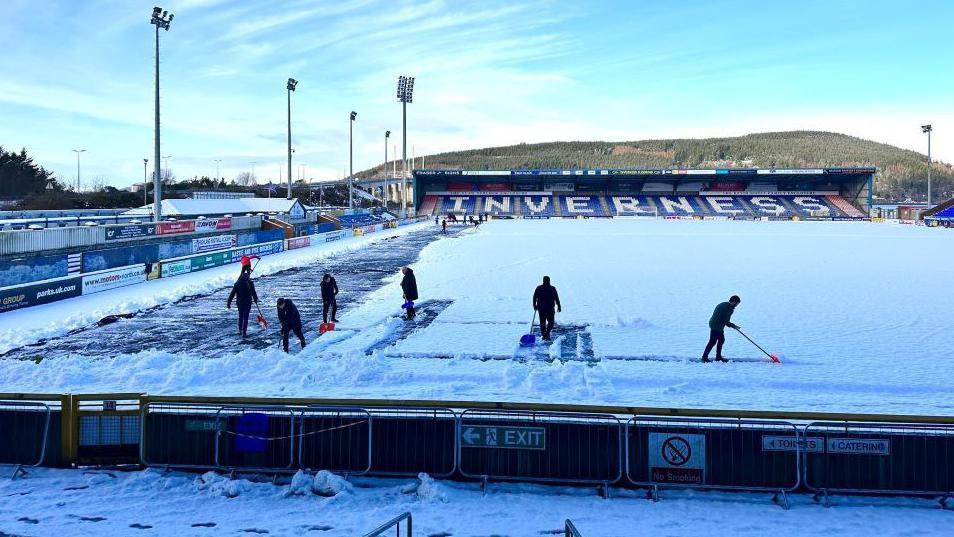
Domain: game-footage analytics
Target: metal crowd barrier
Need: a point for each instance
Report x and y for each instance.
(337, 439)
(26, 426)
(744, 454)
(411, 440)
(569, 530)
(540, 446)
(393, 523)
(259, 438)
(881, 458)
(178, 435)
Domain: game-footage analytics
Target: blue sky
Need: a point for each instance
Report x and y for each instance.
(78, 74)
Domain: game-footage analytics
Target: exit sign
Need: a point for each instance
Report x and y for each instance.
(503, 437)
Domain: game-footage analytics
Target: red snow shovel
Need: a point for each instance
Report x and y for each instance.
(772, 356)
(261, 318)
(325, 327)
(529, 340)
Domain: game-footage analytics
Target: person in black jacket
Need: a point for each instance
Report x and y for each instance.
(291, 321)
(329, 292)
(409, 287)
(243, 292)
(721, 318)
(545, 297)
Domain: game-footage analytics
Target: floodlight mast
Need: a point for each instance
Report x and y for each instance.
(387, 135)
(161, 19)
(351, 160)
(927, 129)
(290, 87)
(405, 95)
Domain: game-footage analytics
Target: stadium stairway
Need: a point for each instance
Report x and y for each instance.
(844, 206)
(430, 205)
(607, 211)
(557, 206)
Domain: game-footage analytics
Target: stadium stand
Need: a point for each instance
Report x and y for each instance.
(573, 205)
(842, 193)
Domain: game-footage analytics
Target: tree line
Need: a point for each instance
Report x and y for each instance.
(901, 175)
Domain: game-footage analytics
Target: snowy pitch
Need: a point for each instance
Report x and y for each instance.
(859, 312)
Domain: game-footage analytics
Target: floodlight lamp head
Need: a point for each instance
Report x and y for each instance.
(926, 128)
(353, 115)
(387, 134)
(291, 84)
(156, 10)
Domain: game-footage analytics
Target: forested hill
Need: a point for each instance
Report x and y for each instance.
(901, 173)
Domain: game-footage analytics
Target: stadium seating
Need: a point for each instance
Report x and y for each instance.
(573, 204)
(580, 205)
(351, 220)
(537, 206)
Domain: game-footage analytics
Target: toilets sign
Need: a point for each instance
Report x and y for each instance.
(503, 437)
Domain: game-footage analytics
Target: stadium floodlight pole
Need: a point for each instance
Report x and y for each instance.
(351, 160)
(387, 134)
(290, 87)
(145, 181)
(405, 95)
(928, 129)
(78, 151)
(161, 20)
(166, 158)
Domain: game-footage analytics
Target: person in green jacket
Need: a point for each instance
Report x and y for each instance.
(721, 318)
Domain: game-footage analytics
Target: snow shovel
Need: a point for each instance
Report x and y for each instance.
(325, 327)
(261, 318)
(408, 304)
(772, 356)
(529, 340)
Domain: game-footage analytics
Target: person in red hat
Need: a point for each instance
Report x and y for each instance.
(246, 262)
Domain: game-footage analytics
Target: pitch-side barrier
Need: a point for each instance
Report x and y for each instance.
(774, 452)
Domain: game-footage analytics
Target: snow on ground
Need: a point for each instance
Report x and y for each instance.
(863, 324)
(21, 327)
(78, 503)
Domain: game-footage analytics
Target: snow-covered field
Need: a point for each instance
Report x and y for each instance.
(859, 312)
(59, 503)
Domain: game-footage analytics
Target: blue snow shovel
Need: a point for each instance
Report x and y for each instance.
(408, 304)
(529, 340)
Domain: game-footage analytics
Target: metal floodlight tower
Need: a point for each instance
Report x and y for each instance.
(78, 151)
(405, 95)
(354, 115)
(145, 181)
(927, 129)
(290, 87)
(161, 20)
(387, 135)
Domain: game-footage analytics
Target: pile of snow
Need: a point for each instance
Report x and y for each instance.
(219, 485)
(328, 484)
(429, 490)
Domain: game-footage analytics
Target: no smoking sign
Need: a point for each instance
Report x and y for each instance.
(677, 458)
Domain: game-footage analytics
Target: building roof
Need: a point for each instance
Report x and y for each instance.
(212, 207)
